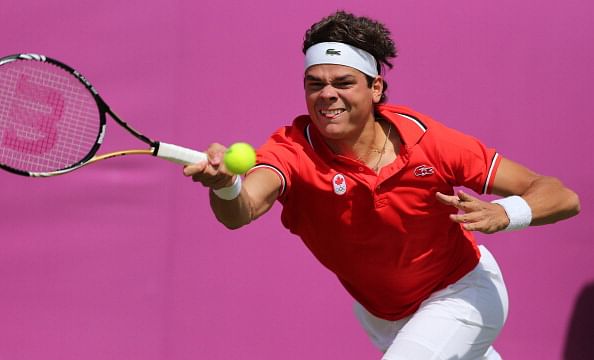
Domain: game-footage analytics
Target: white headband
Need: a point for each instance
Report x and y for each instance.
(341, 54)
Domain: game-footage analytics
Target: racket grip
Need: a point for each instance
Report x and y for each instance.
(179, 155)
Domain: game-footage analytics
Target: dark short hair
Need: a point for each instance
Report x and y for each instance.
(358, 31)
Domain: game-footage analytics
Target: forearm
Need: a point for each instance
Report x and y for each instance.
(234, 202)
(257, 194)
(550, 201)
(233, 213)
(543, 200)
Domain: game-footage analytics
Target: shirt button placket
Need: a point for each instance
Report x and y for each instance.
(380, 198)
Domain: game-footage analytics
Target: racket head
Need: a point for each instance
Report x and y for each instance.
(52, 120)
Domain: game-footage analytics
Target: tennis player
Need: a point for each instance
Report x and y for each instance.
(369, 188)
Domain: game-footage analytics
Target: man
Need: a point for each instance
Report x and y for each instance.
(369, 189)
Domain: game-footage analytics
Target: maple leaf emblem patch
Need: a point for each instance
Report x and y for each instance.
(339, 184)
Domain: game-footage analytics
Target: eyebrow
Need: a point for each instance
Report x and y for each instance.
(340, 78)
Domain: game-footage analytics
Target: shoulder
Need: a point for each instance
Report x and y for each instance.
(296, 133)
(405, 115)
(416, 125)
(412, 125)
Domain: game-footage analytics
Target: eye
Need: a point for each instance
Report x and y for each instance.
(345, 84)
(314, 85)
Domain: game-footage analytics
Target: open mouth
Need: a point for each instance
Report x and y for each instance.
(331, 113)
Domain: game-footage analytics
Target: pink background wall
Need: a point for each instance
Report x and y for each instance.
(123, 260)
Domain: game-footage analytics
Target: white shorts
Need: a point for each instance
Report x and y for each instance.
(459, 322)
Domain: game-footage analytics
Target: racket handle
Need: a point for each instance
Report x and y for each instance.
(179, 155)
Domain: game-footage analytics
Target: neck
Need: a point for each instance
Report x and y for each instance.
(359, 143)
(369, 146)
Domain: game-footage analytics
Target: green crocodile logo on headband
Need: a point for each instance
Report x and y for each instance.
(332, 52)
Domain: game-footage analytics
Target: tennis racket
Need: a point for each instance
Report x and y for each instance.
(53, 121)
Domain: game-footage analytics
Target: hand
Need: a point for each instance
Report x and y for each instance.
(211, 173)
(478, 215)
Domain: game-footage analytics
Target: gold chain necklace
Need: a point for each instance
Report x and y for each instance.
(380, 152)
(383, 150)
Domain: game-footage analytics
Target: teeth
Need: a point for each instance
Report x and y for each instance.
(331, 112)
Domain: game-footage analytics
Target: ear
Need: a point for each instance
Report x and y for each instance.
(377, 89)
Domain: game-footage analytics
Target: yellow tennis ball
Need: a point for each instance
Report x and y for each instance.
(239, 158)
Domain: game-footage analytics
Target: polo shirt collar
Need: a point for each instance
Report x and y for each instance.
(410, 128)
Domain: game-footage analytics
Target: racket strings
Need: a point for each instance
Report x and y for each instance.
(48, 119)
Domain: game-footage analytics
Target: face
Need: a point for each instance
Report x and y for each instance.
(339, 100)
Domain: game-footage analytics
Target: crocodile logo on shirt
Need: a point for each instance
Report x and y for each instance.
(339, 184)
(423, 170)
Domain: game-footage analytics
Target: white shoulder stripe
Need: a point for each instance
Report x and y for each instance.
(417, 122)
(277, 171)
(490, 173)
(308, 136)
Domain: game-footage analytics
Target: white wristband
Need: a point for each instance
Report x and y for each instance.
(518, 211)
(229, 192)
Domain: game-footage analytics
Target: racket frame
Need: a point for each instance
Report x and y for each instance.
(103, 110)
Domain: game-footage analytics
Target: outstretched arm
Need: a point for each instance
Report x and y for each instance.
(549, 200)
(257, 192)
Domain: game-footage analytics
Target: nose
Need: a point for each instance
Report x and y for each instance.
(328, 92)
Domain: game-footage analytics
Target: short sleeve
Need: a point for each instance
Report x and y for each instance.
(278, 154)
(464, 159)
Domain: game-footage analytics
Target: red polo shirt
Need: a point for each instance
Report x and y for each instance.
(386, 237)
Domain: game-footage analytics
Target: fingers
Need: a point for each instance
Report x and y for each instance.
(476, 221)
(485, 227)
(451, 200)
(466, 197)
(468, 218)
(211, 173)
(215, 153)
(461, 201)
(476, 214)
(191, 170)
